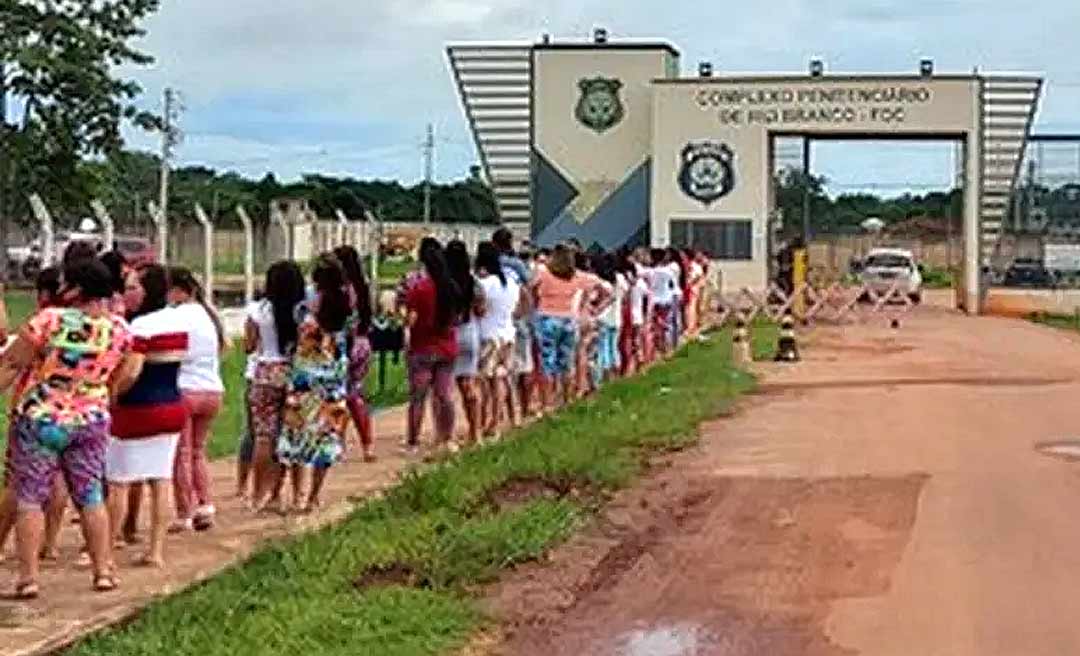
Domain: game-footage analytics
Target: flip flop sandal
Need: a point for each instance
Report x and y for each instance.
(151, 563)
(106, 583)
(26, 591)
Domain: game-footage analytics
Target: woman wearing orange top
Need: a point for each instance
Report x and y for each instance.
(558, 289)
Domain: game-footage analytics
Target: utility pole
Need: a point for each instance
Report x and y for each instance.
(170, 138)
(429, 170)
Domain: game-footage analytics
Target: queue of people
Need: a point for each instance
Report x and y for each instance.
(115, 381)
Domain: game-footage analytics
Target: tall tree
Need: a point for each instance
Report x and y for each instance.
(60, 97)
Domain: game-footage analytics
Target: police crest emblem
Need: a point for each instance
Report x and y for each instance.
(600, 108)
(708, 172)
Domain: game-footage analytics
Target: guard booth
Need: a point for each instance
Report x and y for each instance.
(606, 142)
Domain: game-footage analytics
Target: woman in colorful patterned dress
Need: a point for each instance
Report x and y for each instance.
(78, 357)
(270, 335)
(316, 413)
(360, 347)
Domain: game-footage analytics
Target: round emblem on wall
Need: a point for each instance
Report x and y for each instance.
(707, 171)
(599, 108)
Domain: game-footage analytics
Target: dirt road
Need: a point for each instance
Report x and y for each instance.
(885, 496)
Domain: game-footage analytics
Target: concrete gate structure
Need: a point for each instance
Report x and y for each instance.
(608, 143)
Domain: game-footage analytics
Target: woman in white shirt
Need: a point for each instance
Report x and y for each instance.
(664, 302)
(502, 294)
(202, 390)
(270, 335)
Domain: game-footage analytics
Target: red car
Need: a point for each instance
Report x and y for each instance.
(136, 250)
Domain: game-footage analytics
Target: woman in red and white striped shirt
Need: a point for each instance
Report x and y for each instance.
(148, 418)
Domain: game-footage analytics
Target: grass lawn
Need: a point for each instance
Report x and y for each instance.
(439, 528)
(230, 422)
(1062, 321)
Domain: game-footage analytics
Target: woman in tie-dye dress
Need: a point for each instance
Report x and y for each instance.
(316, 412)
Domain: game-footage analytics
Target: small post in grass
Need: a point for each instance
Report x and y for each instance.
(741, 354)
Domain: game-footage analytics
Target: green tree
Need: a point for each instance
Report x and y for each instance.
(57, 72)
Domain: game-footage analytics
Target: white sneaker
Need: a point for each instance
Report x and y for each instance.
(205, 511)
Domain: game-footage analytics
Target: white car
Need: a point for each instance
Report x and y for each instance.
(885, 267)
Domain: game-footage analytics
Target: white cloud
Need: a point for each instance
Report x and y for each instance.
(373, 71)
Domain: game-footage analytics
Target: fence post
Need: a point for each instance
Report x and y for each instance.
(343, 226)
(106, 221)
(48, 238)
(278, 217)
(163, 233)
(249, 255)
(373, 253)
(208, 252)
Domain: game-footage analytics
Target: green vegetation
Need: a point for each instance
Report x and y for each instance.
(938, 278)
(1060, 321)
(399, 576)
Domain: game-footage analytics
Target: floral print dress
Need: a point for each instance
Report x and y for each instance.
(316, 414)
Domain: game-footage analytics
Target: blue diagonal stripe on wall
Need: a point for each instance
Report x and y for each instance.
(623, 219)
(552, 193)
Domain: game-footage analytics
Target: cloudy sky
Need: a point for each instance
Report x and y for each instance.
(347, 86)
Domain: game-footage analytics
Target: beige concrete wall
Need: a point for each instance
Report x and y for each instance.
(743, 113)
(595, 162)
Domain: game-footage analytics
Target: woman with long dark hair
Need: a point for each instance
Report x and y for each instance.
(60, 427)
(432, 305)
(148, 418)
(203, 390)
(497, 336)
(316, 414)
(270, 334)
(467, 324)
(360, 347)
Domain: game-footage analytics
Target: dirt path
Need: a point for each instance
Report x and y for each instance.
(883, 497)
(67, 609)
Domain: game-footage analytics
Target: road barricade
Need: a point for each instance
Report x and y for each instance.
(831, 304)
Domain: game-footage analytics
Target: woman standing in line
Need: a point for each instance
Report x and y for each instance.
(78, 356)
(270, 334)
(316, 415)
(467, 327)
(200, 383)
(148, 418)
(360, 347)
(557, 288)
(611, 319)
(432, 305)
(497, 336)
(664, 303)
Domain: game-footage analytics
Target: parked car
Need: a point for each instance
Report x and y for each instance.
(136, 250)
(885, 267)
(26, 260)
(1028, 272)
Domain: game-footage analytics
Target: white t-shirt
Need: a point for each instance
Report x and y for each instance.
(663, 285)
(200, 370)
(676, 273)
(612, 316)
(498, 319)
(261, 313)
(639, 294)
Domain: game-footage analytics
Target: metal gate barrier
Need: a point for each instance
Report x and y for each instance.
(828, 304)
